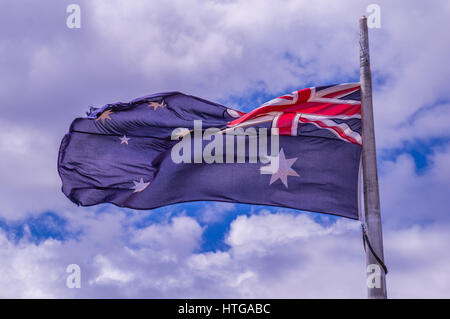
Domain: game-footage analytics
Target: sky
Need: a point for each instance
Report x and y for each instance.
(239, 54)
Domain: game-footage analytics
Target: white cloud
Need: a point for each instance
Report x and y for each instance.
(259, 230)
(29, 178)
(164, 265)
(109, 274)
(216, 49)
(408, 55)
(408, 197)
(26, 268)
(308, 261)
(214, 212)
(182, 235)
(420, 262)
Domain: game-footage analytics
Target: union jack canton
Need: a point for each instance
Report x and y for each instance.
(336, 108)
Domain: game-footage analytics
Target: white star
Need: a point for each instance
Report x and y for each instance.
(140, 186)
(280, 168)
(180, 132)
(124, 139)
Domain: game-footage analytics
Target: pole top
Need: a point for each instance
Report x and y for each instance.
(363, 17)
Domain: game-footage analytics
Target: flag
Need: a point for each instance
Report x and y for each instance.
(300, 150)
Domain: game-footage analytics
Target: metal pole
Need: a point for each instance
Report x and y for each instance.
(369, 160)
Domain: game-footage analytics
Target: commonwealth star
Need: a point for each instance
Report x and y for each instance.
(284, 169)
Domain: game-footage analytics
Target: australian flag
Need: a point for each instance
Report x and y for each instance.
(301, 150)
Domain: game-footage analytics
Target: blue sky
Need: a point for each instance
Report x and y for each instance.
(239, 54)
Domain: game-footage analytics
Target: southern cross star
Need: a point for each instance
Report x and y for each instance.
(140, 186)
(124, 139)
(104, 116)
(156, 105)
(284, 169)
(180, 132)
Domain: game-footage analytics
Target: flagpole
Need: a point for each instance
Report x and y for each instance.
(370, 176)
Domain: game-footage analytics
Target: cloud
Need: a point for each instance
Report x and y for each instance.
(30, 182)
(215, 212)
(298, 258)
(182, 235)
(419, 261)
(109, 274)
(161, 260)
(406, 57)
(408, 198)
